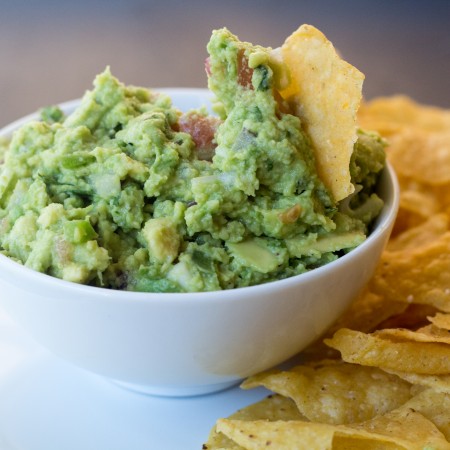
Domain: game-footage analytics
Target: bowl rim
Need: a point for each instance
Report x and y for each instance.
(384, 221)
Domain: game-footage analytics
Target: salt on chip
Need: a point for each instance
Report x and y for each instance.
(335, 392)
(326, 92)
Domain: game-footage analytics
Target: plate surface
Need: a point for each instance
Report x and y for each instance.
(48, 404)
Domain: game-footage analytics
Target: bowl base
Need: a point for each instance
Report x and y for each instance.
(168, 391)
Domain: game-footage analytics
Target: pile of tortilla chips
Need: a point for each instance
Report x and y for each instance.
(381, 377)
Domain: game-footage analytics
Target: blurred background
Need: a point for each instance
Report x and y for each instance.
(50, 50)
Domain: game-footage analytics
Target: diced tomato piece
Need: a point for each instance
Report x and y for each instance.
(245, 73)
(202, 130)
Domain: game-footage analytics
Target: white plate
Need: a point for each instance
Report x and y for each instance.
(48, 404)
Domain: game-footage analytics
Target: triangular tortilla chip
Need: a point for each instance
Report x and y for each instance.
(326, 92)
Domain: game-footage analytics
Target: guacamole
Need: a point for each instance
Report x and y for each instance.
(127, 192)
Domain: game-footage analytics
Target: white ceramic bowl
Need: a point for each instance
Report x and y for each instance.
(189, 343)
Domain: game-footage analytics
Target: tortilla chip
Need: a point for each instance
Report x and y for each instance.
(420, 275)
(422, 156)
(389, 115)
(420, 235)
(401, 429)
(326, 92)
(280, 435)
(367, 312)
(386, 352)
(272, 408)
(413, 317)
(417, 204)
(441, 320)
(439, 383)
(335, 392)
(429, 333)
(435, 406)
(407, 428)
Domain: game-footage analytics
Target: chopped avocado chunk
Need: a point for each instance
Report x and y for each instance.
(252, 254)
(312, 245)
(79, 231)
(162, 238)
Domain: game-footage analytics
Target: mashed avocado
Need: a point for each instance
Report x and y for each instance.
(129, 193)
